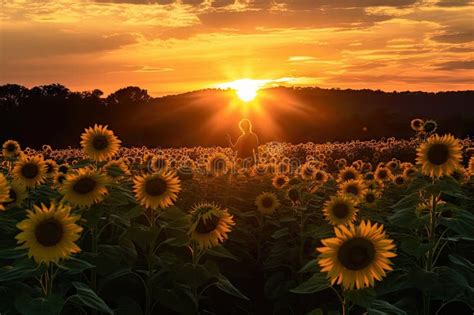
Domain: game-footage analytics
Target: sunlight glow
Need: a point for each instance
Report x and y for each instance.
(246, 89)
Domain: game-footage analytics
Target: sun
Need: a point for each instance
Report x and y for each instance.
(246, 89)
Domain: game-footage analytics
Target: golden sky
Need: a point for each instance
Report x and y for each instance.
(174, 46)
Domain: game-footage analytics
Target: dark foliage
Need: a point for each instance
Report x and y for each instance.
(55, 115)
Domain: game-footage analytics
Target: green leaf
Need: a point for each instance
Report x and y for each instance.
(194, 275)
(380, 307)
(316, 283)
(12, 253)
(363, 297)
(221, 251)
(86, 297)
(142, 235)
(405, 218)
(280, 233)
(316, 311)
(51, 305)
(225, 285)
(461, 223)
(412, 245)
(310, 266)
(20, 270)
(74, 265)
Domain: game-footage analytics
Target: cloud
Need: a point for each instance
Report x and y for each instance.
(456, 65)
(314, 4)
(462, 37)
(454, 3)
(40, 42)
(254, 19)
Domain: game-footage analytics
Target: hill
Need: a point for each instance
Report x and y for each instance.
(55, 113)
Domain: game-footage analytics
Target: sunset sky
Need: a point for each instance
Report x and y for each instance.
(174, 46)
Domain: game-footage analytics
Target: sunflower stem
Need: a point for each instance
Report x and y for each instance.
(152, 218)
(94, 249)
(432, 240)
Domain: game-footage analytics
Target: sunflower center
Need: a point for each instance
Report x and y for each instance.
(399, 180)
(267, 202)
(319, 176)
(11, 147)
(156, 187)
(340, 210)
(382, 174)
(356, 253)
(100, 142)
(370, 198)
(348, 176)
(49, 168)
(30, 170)
(280, 181)
(209, 225)
(352, 189)
(294, 194)
(438, 154)
(84, 185)
(49, 232)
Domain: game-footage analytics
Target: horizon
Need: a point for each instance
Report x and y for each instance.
(216, 88)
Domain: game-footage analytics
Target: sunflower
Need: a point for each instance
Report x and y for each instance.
(30, 171)
(353, 188)
(294, 195)
(49, 233)
(158, 190)
(4, 192)
(280, 181)
(430, 126)
(340, 210)
(409, 172)
(116, 168)
(218, 164)
(51, 168)
(471, 166)
(439, 156)
(11, 149)
(84, 187)
(99, 143)
(321, 176)
(417, 124)
(383, 173)
(267, 202)
(307, 171)
(348, 173)
(357, 256)
(59, 179)
(210, 224)
(16, 195)
(370, 197)
(63, 168)
(159, 163)
(399, 180)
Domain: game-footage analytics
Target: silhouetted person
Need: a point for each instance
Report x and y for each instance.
(247, 144)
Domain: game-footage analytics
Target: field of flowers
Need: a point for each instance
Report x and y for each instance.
(377, 227)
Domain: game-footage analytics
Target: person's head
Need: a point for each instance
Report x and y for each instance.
(245, 125)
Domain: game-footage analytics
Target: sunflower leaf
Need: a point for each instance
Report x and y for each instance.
(318, 282)
(86, 297)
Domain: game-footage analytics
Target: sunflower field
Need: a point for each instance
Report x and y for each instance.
(365, 227)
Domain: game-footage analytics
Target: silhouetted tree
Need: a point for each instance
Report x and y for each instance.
(55, 115)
